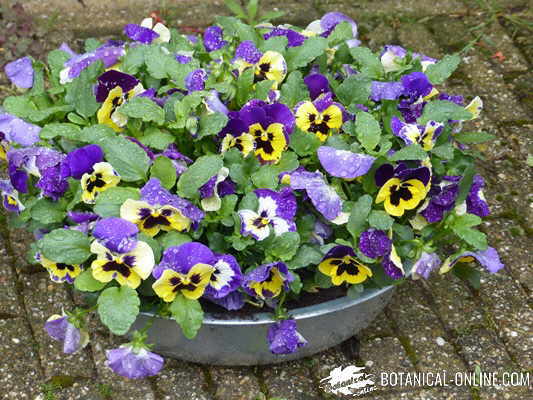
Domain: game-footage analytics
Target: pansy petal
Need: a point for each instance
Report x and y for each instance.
(343, 163)
(20, 72)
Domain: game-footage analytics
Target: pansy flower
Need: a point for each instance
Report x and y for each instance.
(20, 72)
(114, 89)
(323, 196)
(417, 89)
(320, 117)
(109, 54)
(392, 264)
(343, 163)
(276, 210)
(269, 66)
(413, 133)
(215, 188)
(392, 58)
(326, 25)
(148, 32)
(159, 210)
(195, 80)
(341, 265)
(80, 161)
(101, 178)
(192, 269)
(374, 243)
(268, 280)
(475, 201)
(214, 38)
(119, 255)
(401, 188)
(385, 90)
(41, 162)
(61, 329)
(235, 134)
(427, 263)
(294, 38)
(214, 104)
(489, 259)
(179, 160)
(59, 272)
(232, 301)
(84, 220)
(16, 130)
(10, 198)
(442, 195)
(283, 338)
(132, 362)
(270, 126)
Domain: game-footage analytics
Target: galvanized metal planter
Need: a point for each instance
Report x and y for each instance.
(243, 341)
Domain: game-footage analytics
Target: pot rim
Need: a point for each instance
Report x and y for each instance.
(300, 313)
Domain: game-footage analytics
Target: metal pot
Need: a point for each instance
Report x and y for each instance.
(243, 341)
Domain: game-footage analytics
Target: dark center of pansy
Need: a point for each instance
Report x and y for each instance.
(261, 222)
(94, 182)
(400, 193)
(152, 221)
(350, 268)
(119, 267)
(63, 266)
(265, 145)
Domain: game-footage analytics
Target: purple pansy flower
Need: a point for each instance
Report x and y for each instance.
(475, 201)
(80, 161)
(317, 84)
(283, 338)
(231, 302)
(133, 363)
(413, 133)
(110, 80)
(392, 58)
(427, 263)
(18, 131)
(344, 164)
(325, 199)
(215, 188)
(267, 66)
(156, 195)
(416, 85)
(489, 259)
(276, 210)
(195, 80)
(213, 38)
(20, 72)
(392, 264)
(140, 34)
(10, 199)
(321, 232)
(385, 90)
(326, 25)
(178, 160)
(109, 54)
(268, 280)
(213, 103)
(248, 52)
(59, 328)
(374, 243)
(184, 57)
(294, 38)
(443, 194)
(117, 234)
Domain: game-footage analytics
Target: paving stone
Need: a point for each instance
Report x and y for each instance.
(122, 388)
(9, 302)
(20, 241)
(417, 323)
(181, 380)
(20, 372)
(290, 381)
(44, 298)
(235, 383)
(379, 36)
(409, 36)
(522, 86)
(513, 316)
(379, 327)
(498, 40)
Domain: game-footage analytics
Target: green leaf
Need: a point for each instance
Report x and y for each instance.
(188, 314)
(465, 183)
(355, 291)
(143, 108)
(442, 111)
(380, 220)
(80, 91)
(473, 137)
(367, 130)
(293, 90)
(211, 124)
(156, 61)
(370, 64)
(251, 9)
(66, 130)
(133, 60)
(462, 226)
(41, 115)
(164, 170)
(235, 8)
(154, 245)
(96, 133)
(118, 308)
(444, 151)
(65, 246)
(358, 216)
(340, 34)
(354, 90)
(128, 158)
(300, 56)
(411, 152)
(56, 62)
(86, 283)
(439, 72)
(20, 106)
(306, 255)
(197, 174)
(468, 274)
(109, 201)
(274, 43)
(244, 86)
(304, 143)
(156, 138)
(285, 246)
(173, 238)
(47, 211)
